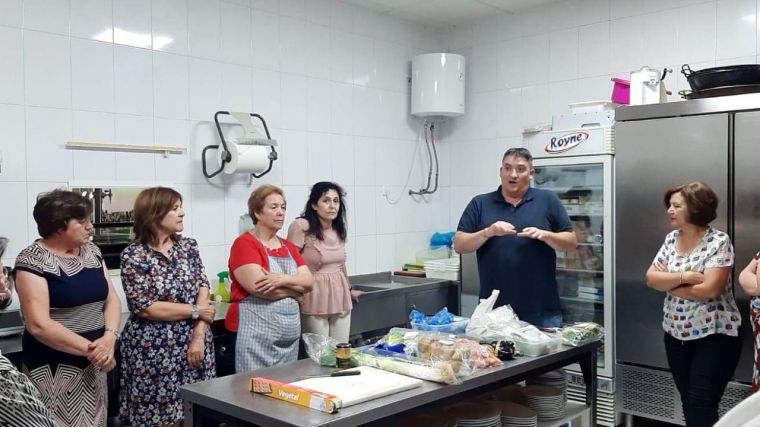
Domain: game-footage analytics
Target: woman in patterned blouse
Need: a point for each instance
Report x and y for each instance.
(701, 320)
(166, 342)
(750, 281)
(71, 311)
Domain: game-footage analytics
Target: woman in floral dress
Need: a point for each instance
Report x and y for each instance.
(700, 317)
(166, 342)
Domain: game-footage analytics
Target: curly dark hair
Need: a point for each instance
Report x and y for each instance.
(310, 215)
(55, 209)
(701, 201)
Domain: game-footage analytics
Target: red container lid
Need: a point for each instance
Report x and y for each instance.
(621, 81)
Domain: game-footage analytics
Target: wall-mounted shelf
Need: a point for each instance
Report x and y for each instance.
(97, 146)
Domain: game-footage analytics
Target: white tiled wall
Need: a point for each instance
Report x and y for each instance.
(525, 67)
(330, 78)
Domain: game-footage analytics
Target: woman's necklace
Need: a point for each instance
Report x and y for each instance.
(267, 243)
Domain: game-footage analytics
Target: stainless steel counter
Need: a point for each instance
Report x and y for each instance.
(228, 400)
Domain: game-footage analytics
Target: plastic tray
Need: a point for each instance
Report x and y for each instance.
(538, 348)
(457, 327)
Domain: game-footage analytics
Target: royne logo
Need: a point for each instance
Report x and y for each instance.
(566, 142)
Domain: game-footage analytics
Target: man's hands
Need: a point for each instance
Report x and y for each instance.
(503, 228)
(533, 233)
(499, 228)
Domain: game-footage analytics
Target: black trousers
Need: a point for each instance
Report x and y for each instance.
(701, 369)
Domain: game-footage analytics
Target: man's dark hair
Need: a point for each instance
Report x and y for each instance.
(518, 152)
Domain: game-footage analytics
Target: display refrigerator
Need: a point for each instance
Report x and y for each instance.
(575, 160)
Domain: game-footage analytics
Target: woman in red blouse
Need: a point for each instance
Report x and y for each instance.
(268, 276)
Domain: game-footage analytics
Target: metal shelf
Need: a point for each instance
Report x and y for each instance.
(576, 270)
(576, 299)
(96, 146)
(573, 411)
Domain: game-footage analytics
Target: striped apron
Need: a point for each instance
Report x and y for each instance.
(268, 331)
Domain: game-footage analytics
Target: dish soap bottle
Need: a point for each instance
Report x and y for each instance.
(221, 294)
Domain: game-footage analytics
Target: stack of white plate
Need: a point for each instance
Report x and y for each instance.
(548, 402)
(516, 415)
(475, 415)
(552, 379)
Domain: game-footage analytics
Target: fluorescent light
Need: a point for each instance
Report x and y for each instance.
(161, 41)
(131, 39)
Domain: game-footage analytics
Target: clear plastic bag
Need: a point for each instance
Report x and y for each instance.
(320, 349)
(463, 354)
(581, 333)
(493, 323)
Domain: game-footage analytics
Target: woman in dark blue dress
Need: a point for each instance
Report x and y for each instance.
(166, 342)
(71, 311)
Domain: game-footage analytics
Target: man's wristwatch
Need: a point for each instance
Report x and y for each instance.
(195, 313)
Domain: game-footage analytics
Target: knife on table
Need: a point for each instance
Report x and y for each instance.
(335, 374)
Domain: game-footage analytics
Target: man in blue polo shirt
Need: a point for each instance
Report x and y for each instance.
(516, 231)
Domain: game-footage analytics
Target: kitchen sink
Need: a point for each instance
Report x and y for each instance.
(368, 288)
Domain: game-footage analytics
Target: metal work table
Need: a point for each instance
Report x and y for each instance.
(227, 399)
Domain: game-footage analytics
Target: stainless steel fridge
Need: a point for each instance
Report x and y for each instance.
(657, 146)
(575, 161)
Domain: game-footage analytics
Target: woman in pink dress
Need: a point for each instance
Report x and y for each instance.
(320, 235)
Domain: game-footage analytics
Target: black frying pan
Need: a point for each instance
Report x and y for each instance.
(729, 75)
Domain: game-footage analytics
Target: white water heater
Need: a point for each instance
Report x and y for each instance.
(438, 85)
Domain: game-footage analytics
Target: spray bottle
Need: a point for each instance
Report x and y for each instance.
(221, 294)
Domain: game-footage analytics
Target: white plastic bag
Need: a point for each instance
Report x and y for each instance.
(489, 323)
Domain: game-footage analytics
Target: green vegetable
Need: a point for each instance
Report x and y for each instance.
(581, 333)
(327, 358)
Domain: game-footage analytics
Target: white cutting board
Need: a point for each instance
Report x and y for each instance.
(371, 384)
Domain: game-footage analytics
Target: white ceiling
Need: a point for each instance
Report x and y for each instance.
(445, 13)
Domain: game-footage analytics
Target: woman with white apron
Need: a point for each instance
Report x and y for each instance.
(268, 276)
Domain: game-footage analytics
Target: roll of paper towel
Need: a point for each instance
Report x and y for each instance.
(245, 158)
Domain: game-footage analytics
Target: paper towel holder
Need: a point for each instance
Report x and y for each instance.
(251, 137)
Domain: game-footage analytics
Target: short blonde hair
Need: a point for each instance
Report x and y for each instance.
(257, 198)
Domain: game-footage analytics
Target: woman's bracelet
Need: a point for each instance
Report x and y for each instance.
(113, 331)
(680, 279)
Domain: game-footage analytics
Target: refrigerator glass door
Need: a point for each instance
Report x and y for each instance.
(584, 276)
